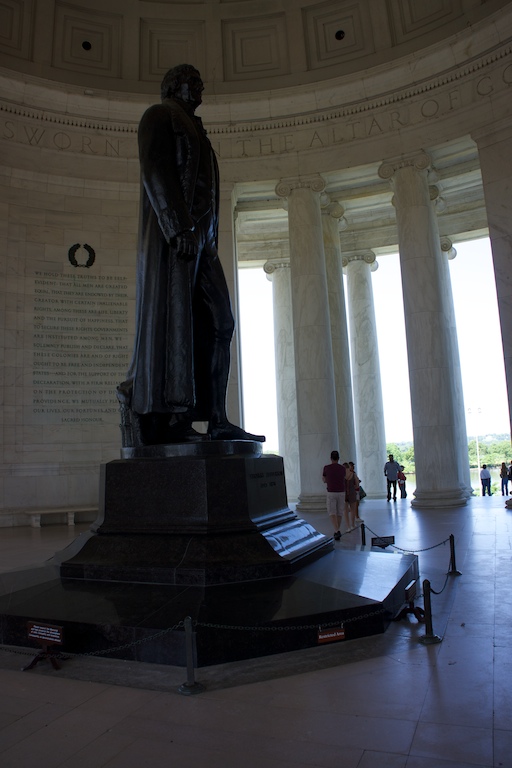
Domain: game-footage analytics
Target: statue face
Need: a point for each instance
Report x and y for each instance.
(191, 89)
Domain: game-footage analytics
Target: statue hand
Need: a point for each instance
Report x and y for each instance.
(187, 246)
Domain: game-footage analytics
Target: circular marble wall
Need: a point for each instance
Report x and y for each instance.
(285, 98)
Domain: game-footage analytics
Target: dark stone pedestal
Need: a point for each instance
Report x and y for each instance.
(361, 588)
(208, 517)
(201, 530)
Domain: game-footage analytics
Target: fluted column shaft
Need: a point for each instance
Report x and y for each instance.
(495, 154)
(339, 333)
(316, 403)
(227, 256)
(449, 253)
(367, 388)
(279, 273)
(429, 346)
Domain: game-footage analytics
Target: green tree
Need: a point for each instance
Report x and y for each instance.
(472, 455)
(395, 450)
(491, 453)
(408, 461)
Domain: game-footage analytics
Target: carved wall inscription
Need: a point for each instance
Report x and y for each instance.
(80, 346)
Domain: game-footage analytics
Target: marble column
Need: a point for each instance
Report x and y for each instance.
(366, 383)
(278, 272)
(227, 256)
(314, 374)
(450, 253)
(495, 154)
(429, 341)
(332, 214)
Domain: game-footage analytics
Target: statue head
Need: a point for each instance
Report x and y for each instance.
(182, 82)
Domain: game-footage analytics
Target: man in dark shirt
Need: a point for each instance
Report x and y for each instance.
(333, 476)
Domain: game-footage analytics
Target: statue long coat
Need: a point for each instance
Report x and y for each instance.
(172, 334)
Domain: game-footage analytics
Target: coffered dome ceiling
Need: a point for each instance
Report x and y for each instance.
(239, 46)
(292, 86)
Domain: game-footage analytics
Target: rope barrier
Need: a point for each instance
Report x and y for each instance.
(104, 652)
(426, 614)
(443, 587)
(208, 625)
(429, 638)
(193, 623)
(190, 687)
(299, 627)
(453, 566)
(410, 551)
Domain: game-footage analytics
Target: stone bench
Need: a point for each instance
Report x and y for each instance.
(35, 515)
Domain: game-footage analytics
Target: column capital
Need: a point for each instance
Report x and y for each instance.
(420, 161)
(313, 181)
(272, 265)
(447, 247)
(332, 209)
(367, 256)
(436, 197)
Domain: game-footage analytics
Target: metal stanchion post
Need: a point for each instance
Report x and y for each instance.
(190, 687)
(429, 638)
(363, 534)
(453, 566)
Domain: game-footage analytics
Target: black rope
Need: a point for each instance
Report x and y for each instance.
(409, 551)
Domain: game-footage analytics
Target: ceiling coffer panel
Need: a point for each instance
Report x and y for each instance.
(16, 22)
(412, 18)
(87, 41)
(255, 48)
(164, 44)
(336, 32)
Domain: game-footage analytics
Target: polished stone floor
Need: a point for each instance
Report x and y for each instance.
(387, 701)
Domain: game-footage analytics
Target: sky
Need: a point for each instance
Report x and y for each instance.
(479, 336)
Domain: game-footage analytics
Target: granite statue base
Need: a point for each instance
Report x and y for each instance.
(361, 588)
(201, 530)
(212, 514)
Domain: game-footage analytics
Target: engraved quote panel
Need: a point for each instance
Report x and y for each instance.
(81, 347)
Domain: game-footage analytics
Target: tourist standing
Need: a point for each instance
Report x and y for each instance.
(485, 478)
(333, 476)
(504, 479)
(401, 482)
(358, 492)
(351, 491)
(391, 470)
